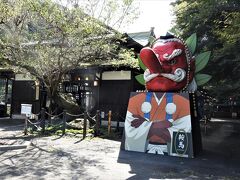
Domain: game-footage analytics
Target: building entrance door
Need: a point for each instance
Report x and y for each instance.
(5, 97)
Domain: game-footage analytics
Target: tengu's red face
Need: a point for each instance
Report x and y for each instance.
(167, 66)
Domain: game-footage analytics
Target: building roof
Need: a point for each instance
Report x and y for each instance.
(142, 37)
(138, 40)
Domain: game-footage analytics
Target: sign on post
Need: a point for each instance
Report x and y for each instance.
(26, 109)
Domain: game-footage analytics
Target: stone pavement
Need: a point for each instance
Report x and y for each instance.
(71, 158)
(10, 130)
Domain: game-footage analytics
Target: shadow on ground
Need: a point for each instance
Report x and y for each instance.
(220, 158)
(40, 160)
(44, 162)
(69, 158)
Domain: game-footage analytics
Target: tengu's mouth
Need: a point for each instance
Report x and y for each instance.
(178, 75)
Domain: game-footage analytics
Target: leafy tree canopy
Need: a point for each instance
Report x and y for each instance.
(217, 24)
(47, 39)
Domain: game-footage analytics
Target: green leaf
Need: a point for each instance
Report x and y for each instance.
(202, 60)
(140, 79)
(141, 65)
(192, 42)
(201, 79)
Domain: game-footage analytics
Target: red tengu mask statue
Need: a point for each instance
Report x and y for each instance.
(170, 66)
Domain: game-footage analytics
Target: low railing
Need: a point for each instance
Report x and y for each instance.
(60, 120)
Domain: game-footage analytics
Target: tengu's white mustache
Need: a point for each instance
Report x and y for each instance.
(178, 76)
(147, 76)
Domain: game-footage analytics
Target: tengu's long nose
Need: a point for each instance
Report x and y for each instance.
(150, 60)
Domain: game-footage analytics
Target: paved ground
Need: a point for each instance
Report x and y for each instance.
(70, 158)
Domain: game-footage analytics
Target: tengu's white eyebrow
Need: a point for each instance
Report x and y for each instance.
(176, 52)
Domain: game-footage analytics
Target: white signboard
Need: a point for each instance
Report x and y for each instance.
(26, 109)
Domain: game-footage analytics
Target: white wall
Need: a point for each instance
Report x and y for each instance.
(23, 77)
(116, 75)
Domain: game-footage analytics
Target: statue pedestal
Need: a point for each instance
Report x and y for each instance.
(162, 123)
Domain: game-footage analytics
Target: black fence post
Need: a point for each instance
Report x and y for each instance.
(64, 121)
(85, 124)
(26, 125)
(117, 127)
(43, 120)
(97, 127)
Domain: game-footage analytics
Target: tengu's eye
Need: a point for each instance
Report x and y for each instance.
(172, 62)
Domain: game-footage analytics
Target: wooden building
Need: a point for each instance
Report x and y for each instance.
(103, 88)
(25, 90)
(6, 80)
(15, 90)
(107, 87)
